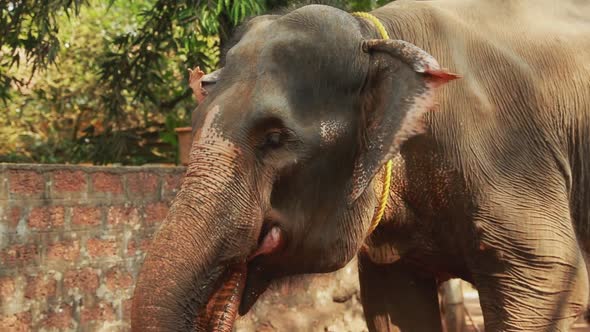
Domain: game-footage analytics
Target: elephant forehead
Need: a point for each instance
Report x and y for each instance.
(257, 35)
(244, 58)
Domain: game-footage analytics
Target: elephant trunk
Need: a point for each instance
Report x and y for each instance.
(194, 273)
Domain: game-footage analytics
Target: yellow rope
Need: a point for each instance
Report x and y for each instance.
(387, 177)
(383, 199)
(375, 21)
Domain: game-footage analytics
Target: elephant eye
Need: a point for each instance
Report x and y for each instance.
(273, 140)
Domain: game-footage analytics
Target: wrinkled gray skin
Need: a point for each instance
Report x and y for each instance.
(489, 186)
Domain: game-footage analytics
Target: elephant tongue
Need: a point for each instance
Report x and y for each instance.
(221, 310)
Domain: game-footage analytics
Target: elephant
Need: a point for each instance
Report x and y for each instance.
(483, 109)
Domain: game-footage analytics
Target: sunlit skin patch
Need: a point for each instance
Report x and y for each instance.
(331, 130)
(209, 133)
(205, 131)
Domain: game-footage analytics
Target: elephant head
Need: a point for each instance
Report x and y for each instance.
(286, 144)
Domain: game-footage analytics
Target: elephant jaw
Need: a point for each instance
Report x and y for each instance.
(221, 310)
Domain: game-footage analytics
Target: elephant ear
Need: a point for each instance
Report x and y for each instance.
(400, 88)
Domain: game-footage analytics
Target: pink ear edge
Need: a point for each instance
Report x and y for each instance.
(438, 77)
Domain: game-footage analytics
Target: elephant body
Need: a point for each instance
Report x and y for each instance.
(495, 192)
(489, 171)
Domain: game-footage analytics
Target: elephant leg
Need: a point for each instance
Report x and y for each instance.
(528, 266)
(397, 298)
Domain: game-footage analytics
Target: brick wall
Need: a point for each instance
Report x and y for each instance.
(72, 240)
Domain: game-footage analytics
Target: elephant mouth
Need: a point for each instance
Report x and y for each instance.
(240, 285)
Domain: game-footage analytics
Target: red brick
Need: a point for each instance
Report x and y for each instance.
(86, 216)
(20, 322)
(101, 248)
(18, 255)
(118, 278)
(46, 217)
(156, 212)
(171, 183)
(26, 182)
(40, 287)
(107, 182)
(122, 215)
(64, 251)
(143, 184)
(7, 289)
(4, 186)
(85, 279)
(100, 312)
(11, 217)
(134, 248)
(131, 248)
(69, 181)
(60, 318)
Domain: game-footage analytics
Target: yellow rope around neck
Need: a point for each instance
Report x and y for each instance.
(375, 21)
(387, 177)
(383, 199)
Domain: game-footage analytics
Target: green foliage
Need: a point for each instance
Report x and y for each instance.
(137, 62)
(29, 31)
(59, 115)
